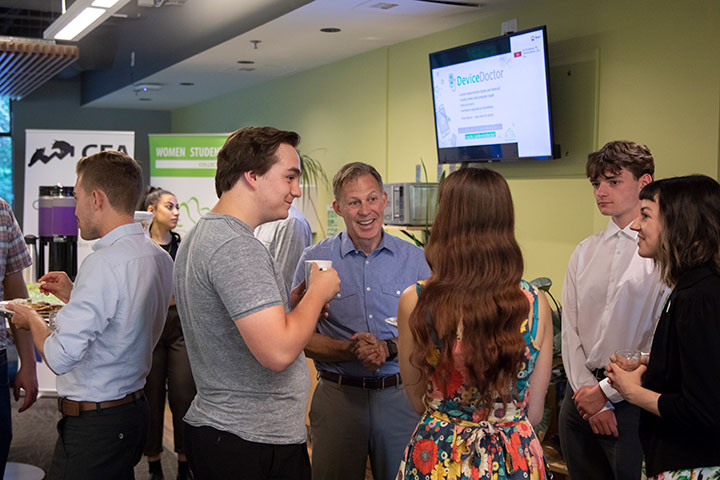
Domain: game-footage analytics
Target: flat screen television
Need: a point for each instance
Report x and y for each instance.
(492, 100)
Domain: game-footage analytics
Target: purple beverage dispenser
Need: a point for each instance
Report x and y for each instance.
(58, 229)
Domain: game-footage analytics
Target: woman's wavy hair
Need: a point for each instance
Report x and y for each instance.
(476, 268)
(690, 214)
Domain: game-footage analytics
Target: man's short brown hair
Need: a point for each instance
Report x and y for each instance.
(614, 156)
(115, 173)
(350, 172)
(250, 149)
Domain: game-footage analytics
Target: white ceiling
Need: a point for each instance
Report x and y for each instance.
(292, 43)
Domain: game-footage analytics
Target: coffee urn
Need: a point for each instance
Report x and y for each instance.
(58, 230)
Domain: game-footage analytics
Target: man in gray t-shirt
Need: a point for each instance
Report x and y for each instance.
(244, 343)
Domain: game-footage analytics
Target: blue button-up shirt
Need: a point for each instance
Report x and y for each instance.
(370, 288)
(102, 346)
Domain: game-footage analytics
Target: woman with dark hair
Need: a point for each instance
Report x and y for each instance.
(475, 342)
(170, 364)
(679, 390)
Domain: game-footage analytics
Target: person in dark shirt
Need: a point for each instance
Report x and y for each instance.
(170, 366)
(679, 390)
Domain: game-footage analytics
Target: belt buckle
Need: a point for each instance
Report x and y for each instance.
(363, 383)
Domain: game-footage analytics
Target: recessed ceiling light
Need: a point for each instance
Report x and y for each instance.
(147, 87)
(384, 5)
(246, 62)
(330, 30)
(187, 84)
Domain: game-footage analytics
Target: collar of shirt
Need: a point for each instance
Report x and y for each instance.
(347, 245)
(117, 233)
(612, 230)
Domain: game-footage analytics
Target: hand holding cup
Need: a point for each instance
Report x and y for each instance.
(628, 360)
(321, 279)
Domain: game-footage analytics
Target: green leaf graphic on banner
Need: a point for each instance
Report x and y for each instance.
(198, 210)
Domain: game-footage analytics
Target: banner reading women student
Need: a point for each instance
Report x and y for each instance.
(185, 165)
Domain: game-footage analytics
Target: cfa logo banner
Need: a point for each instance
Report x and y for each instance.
(61, 149)
(50, 159)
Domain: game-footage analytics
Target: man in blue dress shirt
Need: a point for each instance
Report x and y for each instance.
(102, 347)
(359, 407)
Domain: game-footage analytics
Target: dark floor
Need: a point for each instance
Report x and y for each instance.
(34, 437)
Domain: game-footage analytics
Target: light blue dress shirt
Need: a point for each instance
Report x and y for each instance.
(102, 346)
(370, 288)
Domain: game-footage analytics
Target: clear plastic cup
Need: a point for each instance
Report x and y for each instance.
(628, 360)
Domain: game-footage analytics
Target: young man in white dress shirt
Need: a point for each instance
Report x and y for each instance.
(102, 347)
(611, 300)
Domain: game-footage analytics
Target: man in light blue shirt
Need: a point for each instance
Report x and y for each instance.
(102, 347)
(359, 407)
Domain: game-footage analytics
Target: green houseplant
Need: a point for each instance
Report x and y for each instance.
(313, 173)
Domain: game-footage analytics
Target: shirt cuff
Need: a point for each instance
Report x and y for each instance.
(611, 394)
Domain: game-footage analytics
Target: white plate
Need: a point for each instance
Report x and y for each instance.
(391, 321)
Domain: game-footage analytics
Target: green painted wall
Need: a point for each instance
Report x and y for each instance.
(654, 77)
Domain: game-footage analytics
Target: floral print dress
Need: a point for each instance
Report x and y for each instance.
(459, 439)
(704, 473)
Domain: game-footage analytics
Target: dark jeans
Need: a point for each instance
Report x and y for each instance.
(217, 455)
(5, 421)
(104, 444)
(600, 457)
(171, 367)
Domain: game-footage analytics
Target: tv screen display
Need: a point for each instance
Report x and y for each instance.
(492, 99)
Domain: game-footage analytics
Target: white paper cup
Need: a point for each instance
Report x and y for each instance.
(322, 265)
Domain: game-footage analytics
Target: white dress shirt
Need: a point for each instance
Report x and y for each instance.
(611, 300)
(102, 346)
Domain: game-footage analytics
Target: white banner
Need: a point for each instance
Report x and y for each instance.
(50, 158)
(186, 164)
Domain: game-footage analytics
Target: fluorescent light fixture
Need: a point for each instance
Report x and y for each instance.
(81, 18)
(79, 23)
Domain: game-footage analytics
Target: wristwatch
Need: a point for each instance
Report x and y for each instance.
(392, 349)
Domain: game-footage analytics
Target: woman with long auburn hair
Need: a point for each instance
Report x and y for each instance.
(475, 342)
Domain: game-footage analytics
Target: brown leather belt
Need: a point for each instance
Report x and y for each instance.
(367, 383)
(71, 408)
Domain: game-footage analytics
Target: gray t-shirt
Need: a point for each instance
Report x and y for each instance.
(222, 272)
